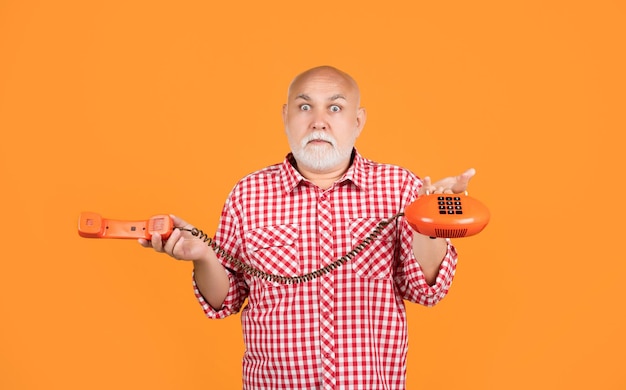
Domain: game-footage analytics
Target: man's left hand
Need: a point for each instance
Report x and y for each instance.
(448, 185)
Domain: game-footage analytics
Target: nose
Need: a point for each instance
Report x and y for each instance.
(319, 126)
(319, 122)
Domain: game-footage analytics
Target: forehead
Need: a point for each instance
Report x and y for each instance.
(324, 84)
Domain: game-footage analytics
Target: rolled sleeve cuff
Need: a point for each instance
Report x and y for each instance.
(227, 306)
(428, 295)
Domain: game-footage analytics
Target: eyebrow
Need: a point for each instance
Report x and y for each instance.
(332, 98)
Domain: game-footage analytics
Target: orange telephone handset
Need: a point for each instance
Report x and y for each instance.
(92, 225)
(447, 215)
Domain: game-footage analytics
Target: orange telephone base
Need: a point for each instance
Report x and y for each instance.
(92, 225)
(447, 215)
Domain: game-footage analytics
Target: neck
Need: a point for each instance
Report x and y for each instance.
(325, 179)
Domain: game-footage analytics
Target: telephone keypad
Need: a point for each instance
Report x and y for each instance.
(450, 205)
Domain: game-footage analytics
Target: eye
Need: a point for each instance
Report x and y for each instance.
(335, 108)
(305, 107)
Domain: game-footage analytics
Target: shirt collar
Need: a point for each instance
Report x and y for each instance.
(356, 173)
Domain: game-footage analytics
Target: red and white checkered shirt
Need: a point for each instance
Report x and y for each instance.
(346, 329)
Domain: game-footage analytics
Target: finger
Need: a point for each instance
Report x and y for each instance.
(144, 243)
(427, 186)
(171, 253)
(467, 175)
(179, 222)
(171, 242)
(157, 242)
(463, 181)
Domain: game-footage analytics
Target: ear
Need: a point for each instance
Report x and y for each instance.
(361, 116)
(285, 113)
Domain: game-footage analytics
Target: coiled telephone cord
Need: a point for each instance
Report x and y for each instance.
(257, 273)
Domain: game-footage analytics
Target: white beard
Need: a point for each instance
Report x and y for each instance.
(320, 157)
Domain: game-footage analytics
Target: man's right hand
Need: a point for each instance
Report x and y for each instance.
(181, 244)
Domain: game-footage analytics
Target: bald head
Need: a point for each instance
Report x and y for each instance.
(326, 74)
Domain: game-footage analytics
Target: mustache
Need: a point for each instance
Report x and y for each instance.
(318, 136)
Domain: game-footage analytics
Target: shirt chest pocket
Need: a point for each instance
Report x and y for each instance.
(274, 249)
(375, 260)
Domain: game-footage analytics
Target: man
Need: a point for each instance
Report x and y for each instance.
(345, 328)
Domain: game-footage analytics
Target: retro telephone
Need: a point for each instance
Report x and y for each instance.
(447, 215)
(435, 215)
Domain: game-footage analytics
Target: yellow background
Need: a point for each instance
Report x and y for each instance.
(135, 108)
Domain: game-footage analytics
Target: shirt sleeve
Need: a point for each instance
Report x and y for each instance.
(409, 277)
(232, 302)
(228, 238)
(412, 284)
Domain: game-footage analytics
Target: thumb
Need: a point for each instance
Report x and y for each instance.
(178, 222)
(426, 186)
(467, 175)
(463, 180)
